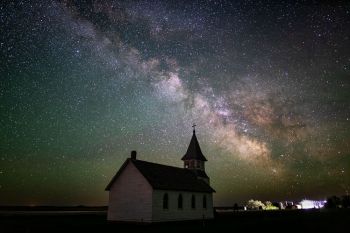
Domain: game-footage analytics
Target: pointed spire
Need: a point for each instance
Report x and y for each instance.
(194, 151)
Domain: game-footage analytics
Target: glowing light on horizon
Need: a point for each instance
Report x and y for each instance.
(311, 204)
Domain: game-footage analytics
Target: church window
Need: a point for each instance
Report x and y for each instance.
(165, 201)
(179, 201)
(193, 202)
(204, 201)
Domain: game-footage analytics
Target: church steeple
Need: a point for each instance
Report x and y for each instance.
(194, 158)
(194, 151)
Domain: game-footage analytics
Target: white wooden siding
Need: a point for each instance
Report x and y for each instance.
(130, 197)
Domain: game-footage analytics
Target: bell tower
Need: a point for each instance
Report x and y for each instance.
(194, 159)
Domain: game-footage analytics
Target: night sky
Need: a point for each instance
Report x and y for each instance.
(82, 83)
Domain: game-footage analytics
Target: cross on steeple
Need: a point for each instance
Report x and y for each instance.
(194, 127)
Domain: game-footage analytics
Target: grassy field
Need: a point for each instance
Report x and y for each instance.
(247, 221)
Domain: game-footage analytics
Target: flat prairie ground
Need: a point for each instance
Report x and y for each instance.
(240, 221)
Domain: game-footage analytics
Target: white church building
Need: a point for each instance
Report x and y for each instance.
(142, 191)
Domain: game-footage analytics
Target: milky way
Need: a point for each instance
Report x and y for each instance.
(85, 82)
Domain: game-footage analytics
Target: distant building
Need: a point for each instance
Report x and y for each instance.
(149, 192)
(312, 204)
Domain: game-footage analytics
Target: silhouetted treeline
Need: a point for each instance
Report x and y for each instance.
(338, 202)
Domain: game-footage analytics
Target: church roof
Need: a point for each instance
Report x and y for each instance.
(194, 151)
(200, 173)
(165, 177)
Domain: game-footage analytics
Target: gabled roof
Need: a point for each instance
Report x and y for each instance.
(165, 177)
(194, 151)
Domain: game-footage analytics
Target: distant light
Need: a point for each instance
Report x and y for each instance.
(311, 204)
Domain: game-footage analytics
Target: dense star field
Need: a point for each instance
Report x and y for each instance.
(85, 82)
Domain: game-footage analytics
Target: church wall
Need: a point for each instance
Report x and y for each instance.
(173, 213)
(130, 197)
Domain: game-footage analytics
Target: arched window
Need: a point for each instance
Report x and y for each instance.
(193, 202)
(204, 201)
(179, 202)
(165, 201)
